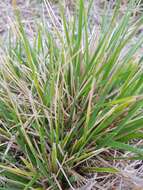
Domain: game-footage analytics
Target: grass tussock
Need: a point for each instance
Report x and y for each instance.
(64, 101)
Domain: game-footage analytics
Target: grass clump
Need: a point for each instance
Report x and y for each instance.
(63, 102)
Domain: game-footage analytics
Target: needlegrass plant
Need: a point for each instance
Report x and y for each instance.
(66, 99)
